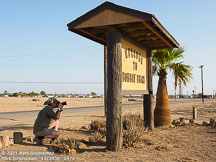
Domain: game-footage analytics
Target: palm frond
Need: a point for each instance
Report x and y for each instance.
(164, 57)
(154, 70)
(181, 72)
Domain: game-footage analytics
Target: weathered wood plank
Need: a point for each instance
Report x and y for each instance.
(147, 38)
(133, 28)
(93, 36)
(139, 33)
(114, 85)
(156, 42)
(155, 32)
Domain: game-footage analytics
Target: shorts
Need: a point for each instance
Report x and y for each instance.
(46, 132)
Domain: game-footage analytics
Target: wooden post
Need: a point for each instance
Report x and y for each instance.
(114, 87)
(105, 80)
(195, 113)
(191, 121)
(212, 122)
(18, 137)
(148, 99)
(148, 111)
(145, 108)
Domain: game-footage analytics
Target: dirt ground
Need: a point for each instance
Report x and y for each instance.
(191, 142)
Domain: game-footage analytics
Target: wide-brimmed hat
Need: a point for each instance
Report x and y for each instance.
(50, 101)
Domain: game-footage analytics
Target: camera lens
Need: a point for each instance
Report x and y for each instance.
(64, 103)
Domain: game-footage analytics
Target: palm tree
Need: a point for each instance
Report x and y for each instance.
(164, 59)
(181, 73)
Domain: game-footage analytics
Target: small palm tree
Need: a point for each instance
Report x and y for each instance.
(164, 59)
(181, 73)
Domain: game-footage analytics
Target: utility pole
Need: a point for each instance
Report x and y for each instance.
(202, 81)
(180, 88)
(195, 90)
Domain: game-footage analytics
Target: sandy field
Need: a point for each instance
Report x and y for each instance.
(191, 142)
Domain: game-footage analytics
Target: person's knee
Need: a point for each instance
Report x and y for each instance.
(56, 134)
(56, 122)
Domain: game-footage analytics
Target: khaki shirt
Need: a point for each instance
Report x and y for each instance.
(44, 119)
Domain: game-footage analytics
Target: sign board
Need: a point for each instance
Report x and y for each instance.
(134, 69)
(127, 69)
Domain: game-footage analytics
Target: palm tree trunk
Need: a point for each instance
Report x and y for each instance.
(162, 115)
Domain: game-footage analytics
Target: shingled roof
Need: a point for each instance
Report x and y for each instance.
(143, 28)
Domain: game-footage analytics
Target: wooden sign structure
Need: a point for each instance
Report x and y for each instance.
(128, 37)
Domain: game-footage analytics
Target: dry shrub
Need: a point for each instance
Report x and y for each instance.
(97, 138)
(133, 129)
(67, 145)
(132, 120)
(98, 125)
(60, 149)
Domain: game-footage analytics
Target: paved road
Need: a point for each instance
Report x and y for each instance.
(67, 111)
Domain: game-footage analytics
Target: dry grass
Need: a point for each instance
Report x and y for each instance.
(97, 139)
(98, 125)
(66, 146)
(133, 130)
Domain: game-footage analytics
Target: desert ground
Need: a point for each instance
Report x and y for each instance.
(189, 142)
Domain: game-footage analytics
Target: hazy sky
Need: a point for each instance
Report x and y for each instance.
(36, 46)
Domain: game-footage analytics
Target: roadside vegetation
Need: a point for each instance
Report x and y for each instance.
(164, 60)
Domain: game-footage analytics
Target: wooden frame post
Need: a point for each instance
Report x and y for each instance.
(105, 80)
(148, 108)
(195, 115)
(114, 87)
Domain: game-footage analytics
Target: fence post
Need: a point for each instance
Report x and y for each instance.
(195, 113)
(18, 137)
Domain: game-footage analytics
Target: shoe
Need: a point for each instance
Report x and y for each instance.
(39, 141)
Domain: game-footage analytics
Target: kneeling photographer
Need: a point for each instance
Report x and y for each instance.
(43, 121)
